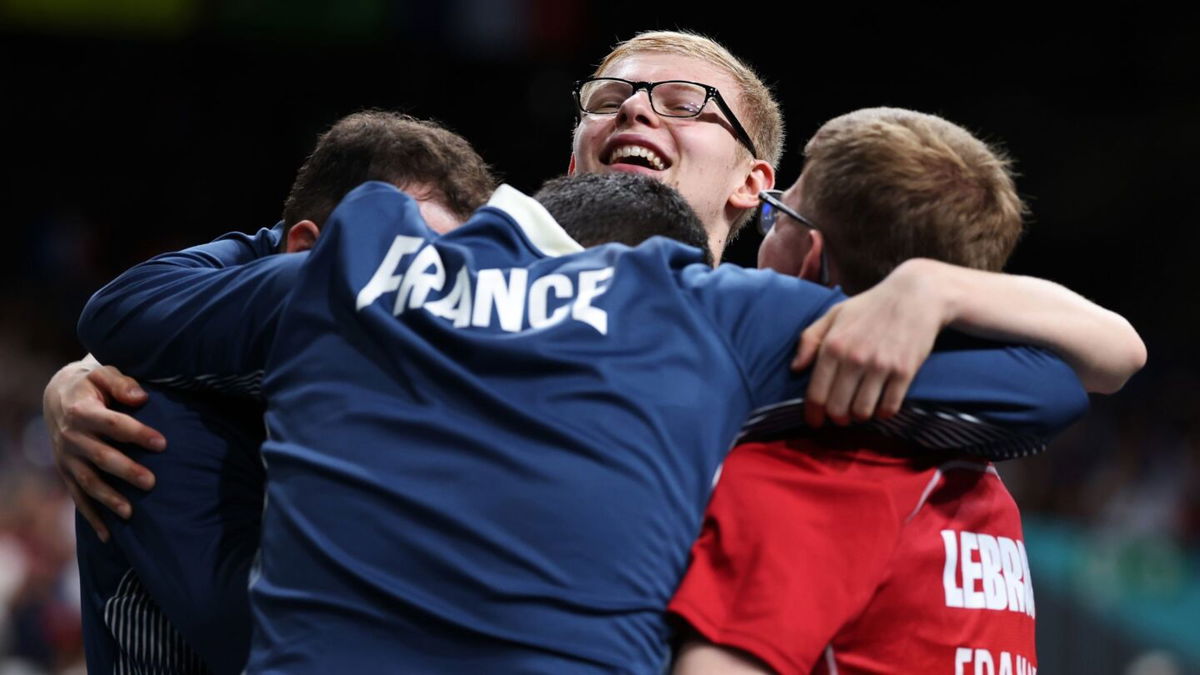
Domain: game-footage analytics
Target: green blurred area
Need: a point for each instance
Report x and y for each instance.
(1146, 586)
(111, 18)
(317, 20)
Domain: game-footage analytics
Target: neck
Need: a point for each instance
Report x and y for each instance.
(718, 238)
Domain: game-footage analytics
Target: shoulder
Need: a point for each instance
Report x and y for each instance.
(375, 202)
(763, 289)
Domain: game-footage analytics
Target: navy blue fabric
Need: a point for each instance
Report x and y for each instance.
(191, 540)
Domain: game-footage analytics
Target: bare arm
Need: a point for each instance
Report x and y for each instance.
(75, 406)
(1100, 345)
(699, 657)
(868, 348)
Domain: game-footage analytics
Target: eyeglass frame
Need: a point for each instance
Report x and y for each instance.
(711, 94)
(774, 199)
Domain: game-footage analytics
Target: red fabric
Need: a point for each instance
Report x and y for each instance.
(826, 552)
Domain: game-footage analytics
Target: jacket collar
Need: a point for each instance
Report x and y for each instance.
(535, 221)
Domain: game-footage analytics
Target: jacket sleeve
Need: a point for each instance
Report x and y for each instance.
(197, 313)
(986, 398)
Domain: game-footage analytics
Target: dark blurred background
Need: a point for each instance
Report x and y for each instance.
(131, 127)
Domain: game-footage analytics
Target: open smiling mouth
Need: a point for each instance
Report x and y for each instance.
(636, 155)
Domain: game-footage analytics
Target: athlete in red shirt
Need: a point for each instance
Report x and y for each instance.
(845, 553)
(848, 553)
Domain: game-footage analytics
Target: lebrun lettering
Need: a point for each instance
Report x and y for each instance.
(984, 571)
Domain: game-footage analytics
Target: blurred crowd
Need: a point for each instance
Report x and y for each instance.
(1131, 468)
(39, 582)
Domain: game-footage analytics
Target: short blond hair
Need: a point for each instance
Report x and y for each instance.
(763, 119)
(886, 184)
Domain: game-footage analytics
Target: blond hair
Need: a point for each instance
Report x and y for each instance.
(886, 184)
(763, 120)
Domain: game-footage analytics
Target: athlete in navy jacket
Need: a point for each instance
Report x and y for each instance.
(169, 591)
(481, 452)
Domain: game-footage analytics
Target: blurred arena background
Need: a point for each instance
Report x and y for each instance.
(131, 127)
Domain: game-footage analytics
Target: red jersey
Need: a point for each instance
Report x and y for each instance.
(844, 555)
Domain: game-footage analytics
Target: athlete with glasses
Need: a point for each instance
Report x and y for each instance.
(646, 110)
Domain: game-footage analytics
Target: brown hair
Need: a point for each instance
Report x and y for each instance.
(763, 120)
(391, 147)
(885, 185)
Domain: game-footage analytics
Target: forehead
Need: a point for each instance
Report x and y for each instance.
(659, 66)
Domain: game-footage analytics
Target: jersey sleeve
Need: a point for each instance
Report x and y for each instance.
(189, 314)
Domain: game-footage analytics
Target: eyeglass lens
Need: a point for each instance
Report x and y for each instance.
(767, 216)
(670, 99)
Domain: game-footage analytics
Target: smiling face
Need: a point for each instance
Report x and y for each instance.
(699, 156)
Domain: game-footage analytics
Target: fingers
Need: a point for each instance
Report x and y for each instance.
(814, 413)
(116, 386)
(866, 400)
(811, 340)
(896, 390)
(86, 509)
(859, 370)
(823, 375)
(96, 453)
(85, 417)
(89, 483)
(842, 392)
(859, 393)
(848, 386)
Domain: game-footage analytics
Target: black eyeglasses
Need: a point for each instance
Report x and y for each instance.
(770, 206)
(669, 98)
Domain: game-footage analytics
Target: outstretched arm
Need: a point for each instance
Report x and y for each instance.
(868, 349)
(1100, 345)
(173, 317)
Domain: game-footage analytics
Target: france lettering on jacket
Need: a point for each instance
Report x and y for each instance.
(504, 296)
(986, 572)
(983, 662)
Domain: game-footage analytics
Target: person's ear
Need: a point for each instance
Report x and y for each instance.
(301, 236)
(571, 165)
(760, 177)
(810, 267)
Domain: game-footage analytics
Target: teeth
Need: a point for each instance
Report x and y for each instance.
(649, 155)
